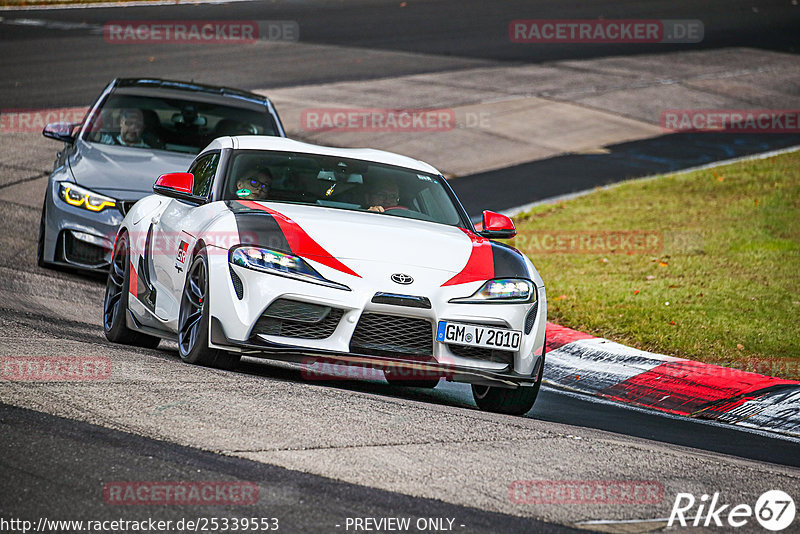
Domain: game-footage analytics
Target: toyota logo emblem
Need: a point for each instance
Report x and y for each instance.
(400, 278)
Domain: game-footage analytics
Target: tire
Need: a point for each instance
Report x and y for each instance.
(507, 401)
(193, 320)
(115, 303)
(399, 380)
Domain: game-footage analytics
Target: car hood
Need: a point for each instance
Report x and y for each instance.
(352, 237)
(362, 243)
(123, 172)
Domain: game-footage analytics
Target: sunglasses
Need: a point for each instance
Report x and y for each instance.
(258, 184)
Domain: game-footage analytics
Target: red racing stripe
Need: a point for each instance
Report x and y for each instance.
(299, 241)
(480, 265)
(133, 282)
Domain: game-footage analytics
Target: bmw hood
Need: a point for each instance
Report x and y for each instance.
(123, 172)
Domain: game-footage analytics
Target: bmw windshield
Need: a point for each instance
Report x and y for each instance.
(340, 183)
(172, 124)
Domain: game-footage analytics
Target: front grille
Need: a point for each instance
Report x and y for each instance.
(81, 252)
(294, 310)
(410, 301)
(481, 353)
(389, 335)
(291, 318)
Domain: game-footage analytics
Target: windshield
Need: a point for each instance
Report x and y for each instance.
(172, 124)
(340, 183)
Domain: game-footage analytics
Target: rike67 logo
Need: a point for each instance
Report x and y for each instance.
(774, 510)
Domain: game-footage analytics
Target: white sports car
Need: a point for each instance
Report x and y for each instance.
(290, 251)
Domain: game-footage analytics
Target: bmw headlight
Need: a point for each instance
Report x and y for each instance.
(510, 290)
(80, 197)
(280, 263)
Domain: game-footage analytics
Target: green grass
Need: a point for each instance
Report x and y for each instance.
(729, 266)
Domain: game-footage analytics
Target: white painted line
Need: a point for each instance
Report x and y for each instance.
(511, 212)
(98, 29)
(52, 24)
(134, 3)
(626, 521)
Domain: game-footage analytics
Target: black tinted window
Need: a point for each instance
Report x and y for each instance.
(204, 170)
(342, 183)
(172, 124)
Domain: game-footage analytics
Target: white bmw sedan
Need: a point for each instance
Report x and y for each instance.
(289, 251)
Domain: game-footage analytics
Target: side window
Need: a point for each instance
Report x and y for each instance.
(204, 170)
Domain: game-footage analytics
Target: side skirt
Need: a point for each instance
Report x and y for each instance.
(134, 324)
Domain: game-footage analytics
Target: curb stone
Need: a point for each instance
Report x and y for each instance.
(603, 368)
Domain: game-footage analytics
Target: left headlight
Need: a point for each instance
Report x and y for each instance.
(274, 262)
(506, 290)
(80, 197)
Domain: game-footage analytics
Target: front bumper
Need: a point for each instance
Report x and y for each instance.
(76, 237)
(240, 296)
(407, 367)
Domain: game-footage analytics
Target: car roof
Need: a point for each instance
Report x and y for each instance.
(263, 142)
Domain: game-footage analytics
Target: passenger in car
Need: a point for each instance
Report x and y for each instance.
(254, 185)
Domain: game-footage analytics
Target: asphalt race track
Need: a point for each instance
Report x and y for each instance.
(358, 39)
(562, 175)
(91, 453)
(323, 452)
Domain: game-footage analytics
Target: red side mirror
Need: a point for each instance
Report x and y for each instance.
(496, 225)
(179, 182)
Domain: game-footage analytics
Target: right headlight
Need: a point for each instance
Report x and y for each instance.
(80, 197)
(280, 263)
(502, 290)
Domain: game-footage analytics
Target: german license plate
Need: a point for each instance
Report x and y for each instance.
(478, 336)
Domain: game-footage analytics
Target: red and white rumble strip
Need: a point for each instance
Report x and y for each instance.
(600, 367)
